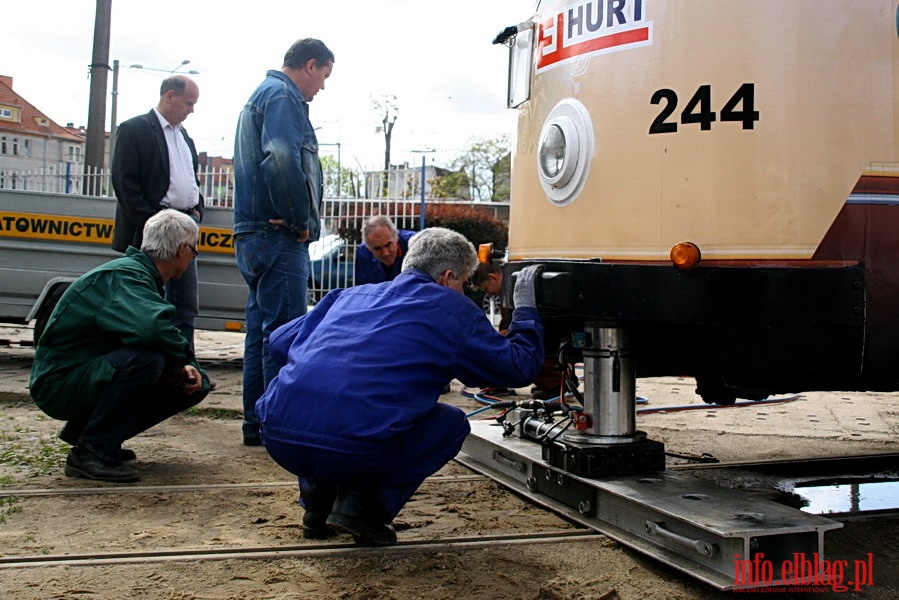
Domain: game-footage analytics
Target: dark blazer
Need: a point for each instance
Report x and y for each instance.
(140, 177)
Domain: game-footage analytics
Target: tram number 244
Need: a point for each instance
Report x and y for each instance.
(740, 108)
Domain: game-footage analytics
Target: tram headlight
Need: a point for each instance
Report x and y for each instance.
(552, 152)
(565, 151)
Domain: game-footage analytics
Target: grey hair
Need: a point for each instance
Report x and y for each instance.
(166, 231)
(436, 250)
(377, 221)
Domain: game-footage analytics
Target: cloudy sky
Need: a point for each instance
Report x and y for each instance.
(435, 57)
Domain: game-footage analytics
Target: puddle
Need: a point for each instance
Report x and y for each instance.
(847, 496)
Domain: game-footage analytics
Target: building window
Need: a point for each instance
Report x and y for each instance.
(75, 154)
(5, 113)
(15, 146)
(3, 145)
(26, 147)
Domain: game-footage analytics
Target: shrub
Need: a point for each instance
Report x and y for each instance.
(477, 224)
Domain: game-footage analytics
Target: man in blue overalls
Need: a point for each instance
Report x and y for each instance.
(380, 257)
(354, 411)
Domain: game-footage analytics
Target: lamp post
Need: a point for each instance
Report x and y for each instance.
(113, 126)
(186, 61)
(421, 210)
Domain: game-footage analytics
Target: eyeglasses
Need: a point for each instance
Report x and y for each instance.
(193, 249)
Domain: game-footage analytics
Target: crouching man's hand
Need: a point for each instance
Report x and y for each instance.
(191, 380)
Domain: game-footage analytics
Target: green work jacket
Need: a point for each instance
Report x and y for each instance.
(117, 304)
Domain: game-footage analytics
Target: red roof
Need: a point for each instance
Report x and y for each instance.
(33, 121)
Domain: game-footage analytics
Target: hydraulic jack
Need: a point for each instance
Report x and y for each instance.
(594, 467)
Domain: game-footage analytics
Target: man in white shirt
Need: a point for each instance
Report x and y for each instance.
(154, 166)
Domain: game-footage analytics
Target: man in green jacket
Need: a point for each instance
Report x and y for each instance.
(110, 362)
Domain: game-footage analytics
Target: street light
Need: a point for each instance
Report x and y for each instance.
(113, 126)
(186, 61)
(421, 211)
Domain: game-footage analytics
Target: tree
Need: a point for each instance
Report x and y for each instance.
(447, 184)
(340, 181)
(502, 179)
(387, 110)
(486, 164)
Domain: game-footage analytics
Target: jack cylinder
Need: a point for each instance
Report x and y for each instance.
(609, 385)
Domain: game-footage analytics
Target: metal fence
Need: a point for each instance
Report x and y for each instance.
(332, 256)
(217, 183)
(342, 218)
(63, 178)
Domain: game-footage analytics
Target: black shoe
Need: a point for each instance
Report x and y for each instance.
(81, 463)
(127, 454)
(386, 536)
(252, 440)
(317, 499)
(359, 514)
(538, 394)
(498, 391)
(364, 533)
(315, 526)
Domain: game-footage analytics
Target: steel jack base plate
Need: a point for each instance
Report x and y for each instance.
(707, 531)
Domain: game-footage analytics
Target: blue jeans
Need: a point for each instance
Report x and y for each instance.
(182, 292)
(136, 399)
(394, 472)
(276, 268)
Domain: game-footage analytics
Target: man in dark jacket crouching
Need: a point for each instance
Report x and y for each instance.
(110, 362)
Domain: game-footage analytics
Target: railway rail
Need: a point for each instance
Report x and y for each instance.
(815, 466)
(142, 489)
(314, 549)
(293, 551)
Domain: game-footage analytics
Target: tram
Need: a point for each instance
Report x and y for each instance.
(718, 180)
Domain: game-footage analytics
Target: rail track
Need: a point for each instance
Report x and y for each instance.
(312, 549)
(143, 489)
(293, 551)
(816, 466)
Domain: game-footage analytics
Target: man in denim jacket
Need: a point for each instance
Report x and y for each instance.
(277, 202)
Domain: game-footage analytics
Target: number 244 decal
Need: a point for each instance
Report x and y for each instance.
(740, 108)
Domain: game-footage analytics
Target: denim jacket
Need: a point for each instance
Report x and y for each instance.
(277, 173)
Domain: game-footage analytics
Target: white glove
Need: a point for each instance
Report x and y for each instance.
(525, 292)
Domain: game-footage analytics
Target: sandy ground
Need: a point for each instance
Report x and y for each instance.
(259, 510)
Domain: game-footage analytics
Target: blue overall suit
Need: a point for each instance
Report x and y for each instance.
(368, 269)
(356, 402)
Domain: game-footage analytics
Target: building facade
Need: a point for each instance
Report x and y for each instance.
(30, 140)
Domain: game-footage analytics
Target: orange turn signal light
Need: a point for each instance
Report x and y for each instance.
(685, 255)
(485, 253)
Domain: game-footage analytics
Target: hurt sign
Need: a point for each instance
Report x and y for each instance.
(594, 27)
